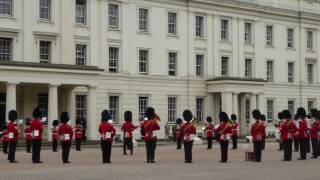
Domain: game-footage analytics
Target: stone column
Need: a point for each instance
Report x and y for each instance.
(261, 103)
(52, 107)
(11, 99)
(210, 110)
(92, 127)
(235, 104)
(253, 104)
(226, 100)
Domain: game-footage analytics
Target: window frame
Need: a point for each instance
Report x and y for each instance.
(224, 71)
(291, 109)
(270, 77)
(114, 60)
(310, 40)
(83, 57)
(225, 30)
(248, 71)
(269, 35)
(272, 113)
(114, 108)
(49, 9)
(83, 16)
(142, 111)
(170, 63)
(172, 109)
(248, 36)
(83, 109)
(115, 17)
(41, 60)
(10, 11)
(200, 26)
(199, 66)
(146, 21)
(291, 75)
(147, 61)
(200, 112)
(10, 49)
(173, 24)
(290, 39)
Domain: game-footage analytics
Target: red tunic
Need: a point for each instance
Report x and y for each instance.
(303, 129)
(5, 136)
(27, 133)
(78, 132)
(189, 132)
(107, 131)
(55, 133)
(287, 130)
(257, 131)
(36, 129)
(127, 129)
(209, 130)
(224, 131)
(65, 132)
(150, 126)
(179, 131)
(234, 129)
(12, 130)
(314, 131)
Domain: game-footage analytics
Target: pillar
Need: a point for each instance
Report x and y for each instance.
(261, 103)
(11, 99)
(235, 104)
(92, 127)
(226, 100)
(52, 107)
(253, 104)
(210, 110)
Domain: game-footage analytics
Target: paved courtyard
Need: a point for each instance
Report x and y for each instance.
(86, 165)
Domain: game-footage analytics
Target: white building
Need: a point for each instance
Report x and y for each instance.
(84, 56)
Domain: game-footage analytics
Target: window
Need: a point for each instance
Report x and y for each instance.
(5, 49)
(143, 105)
(172, 109)
(199, 26)
(310, 73)
(43, 104)
(143, 61)
(270, 110)
(172, 63)
(45, 52)
(81, 12)
(311, 104)
(81, 54)
(290, 34)
(5, 7)
(45, 9)
(269, 35)
(291, 106)
(248, 68)
(270, 71)
(113, 59)
(199, 65)
(247, 111)
(200, 109)
(310, 40)
(114, 108)
(143, 20)
(224, 29)
(113, 16)
(291, 72)
(224, 66)
(172, 23)
(248, 32)
(81, 107)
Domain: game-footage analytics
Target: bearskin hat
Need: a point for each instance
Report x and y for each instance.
(179, 121)
(187, 115)
(78, 121)
(263, 117)
(13, 115)
(28, 122)
(301, 112)
(150, 113)
(233, 117)
(286, 114)
(128, 116)
(209, 119)
(296, 117)
(64, 117)
(55, 123)
(314, 113)
(256, 114)
(280, 115)
(105, 116)
(223, 117)
(36, 113)
(309, 116)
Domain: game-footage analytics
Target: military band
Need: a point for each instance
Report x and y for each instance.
(28, 135)
(78, 130)
(234, 131)
(209, 132)
(189, 132)
(55, 135)
(107, 132)
(65, 133)
(127, 129)
(13, 134)
(179, 132)
(37, 130)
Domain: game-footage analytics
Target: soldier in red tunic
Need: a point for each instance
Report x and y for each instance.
(13, 135)
(314, 133)
(257, 130)
(264, 135)
(223, 135)
(303, 133)
(296, 135)
(28, 135)
(78, 130)
(5, 140)
(288, 128)
(209, 132)
(234, 131)
(151, 127)
(179, 132)
(278, 125)
(65, 133)
(127, 129)
(55, 135)
(189, 132)
(107, 132)
(36, 129)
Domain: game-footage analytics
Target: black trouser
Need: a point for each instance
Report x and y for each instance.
(296, 144)
(127, 143)
(315, 148)
(28, 146)
(263, 144)
(287, 147)
(234, 141)
(308, 145)
(54, 145)
(280, 145)
(151, 148)
(65, 146)
(36, 149)
(188, 150)
(303, 148)
(179, 142)
(12, 150)
(209, 141)
(257, 150)
(78, 144)
(5, 146)
(224, 150)
(106, 151)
